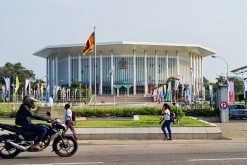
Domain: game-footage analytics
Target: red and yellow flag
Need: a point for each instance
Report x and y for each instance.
(89, 45)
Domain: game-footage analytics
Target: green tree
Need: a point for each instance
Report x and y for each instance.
(221, 80)
(12, 70)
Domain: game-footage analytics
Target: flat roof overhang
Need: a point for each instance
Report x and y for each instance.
(240, 70)
(127, 47)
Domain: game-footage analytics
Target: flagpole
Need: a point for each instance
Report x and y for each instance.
(94, 66)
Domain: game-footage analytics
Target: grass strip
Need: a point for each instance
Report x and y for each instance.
(145, 121)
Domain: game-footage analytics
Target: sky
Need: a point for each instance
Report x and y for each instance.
(27, 26)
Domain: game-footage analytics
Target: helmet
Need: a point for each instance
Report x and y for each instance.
(29, 101)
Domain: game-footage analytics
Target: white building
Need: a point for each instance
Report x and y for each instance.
(135, 67)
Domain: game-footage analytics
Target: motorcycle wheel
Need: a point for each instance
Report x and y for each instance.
(47, 142)
(65, 147)
(7, 151)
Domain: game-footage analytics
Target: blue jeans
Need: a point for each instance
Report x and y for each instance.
(166, 125)
(39, 130)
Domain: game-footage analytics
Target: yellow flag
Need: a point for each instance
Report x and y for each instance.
(42, 90)
(17, 84)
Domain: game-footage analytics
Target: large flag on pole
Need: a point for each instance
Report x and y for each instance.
(89, 45)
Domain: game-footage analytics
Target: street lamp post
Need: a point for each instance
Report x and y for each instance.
(223, 96)
(213, 56)
(111, 73)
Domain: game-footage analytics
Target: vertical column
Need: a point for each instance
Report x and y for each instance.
(197, 74)
(156, 68)
(167, 65)
(201, 70)
(200, 73)
(191, 73)
(57, 69)
(90, 72)
(69, 71)
(112, 74)
(48, 71)
(79, 68)
(194, 73)
(100, 74)
(191, 66)
(145, 73)
(53, 71)
(134, 71)
(178, 67)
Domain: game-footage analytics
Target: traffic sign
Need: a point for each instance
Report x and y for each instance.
(223, 105)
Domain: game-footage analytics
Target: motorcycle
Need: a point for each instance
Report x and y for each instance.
(20, 140)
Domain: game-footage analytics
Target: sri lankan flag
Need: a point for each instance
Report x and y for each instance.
(89, 45)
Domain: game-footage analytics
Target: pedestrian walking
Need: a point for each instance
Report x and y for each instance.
(166, 125)
(68, 120)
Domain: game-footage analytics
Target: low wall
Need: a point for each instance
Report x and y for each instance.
(145, 133)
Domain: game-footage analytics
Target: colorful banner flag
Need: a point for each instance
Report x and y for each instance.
(41, 90)
(47, 94)
(164, 92)
(245, 88)
(3, 93)
(169, 92)
(231, 94)
(7, 84)
(89, 45)
(176, 84)
(17, 84)
(211, 92)
(27, 86)
(189, 91)
(182, 83)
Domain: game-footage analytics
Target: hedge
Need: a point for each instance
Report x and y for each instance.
(6, 110)
(115, 111)
(204, 112)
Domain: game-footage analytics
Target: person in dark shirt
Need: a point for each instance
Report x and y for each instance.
(23, 119)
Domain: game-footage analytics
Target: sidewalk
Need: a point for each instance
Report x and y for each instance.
(211, 132)
(235, 130)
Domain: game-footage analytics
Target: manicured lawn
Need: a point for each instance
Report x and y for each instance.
(145, 121)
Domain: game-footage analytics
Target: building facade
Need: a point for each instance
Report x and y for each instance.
(132, 67)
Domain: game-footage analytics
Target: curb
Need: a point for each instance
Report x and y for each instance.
(148, 133)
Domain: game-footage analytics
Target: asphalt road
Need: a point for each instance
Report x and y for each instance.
(177, 152)
(192, 152)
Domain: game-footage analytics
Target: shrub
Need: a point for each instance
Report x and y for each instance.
(115, 111)
(179, 112)
(206, 112)
(6, 110)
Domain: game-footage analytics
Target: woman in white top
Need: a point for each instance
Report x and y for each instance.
(68, 119)
(166, 125)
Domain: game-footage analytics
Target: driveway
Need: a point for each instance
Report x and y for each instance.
(235, 129)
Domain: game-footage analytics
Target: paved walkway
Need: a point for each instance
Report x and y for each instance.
(235, 129)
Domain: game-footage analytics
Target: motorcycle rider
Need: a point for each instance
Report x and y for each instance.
(23, 119)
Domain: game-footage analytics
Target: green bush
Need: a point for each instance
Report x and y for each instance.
(179, 112)
(206, 112)
(115, 111)
(6, 110)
